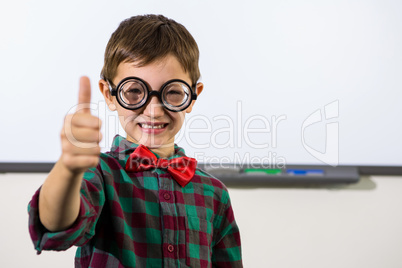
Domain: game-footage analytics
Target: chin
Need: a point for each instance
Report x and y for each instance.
(155, 143)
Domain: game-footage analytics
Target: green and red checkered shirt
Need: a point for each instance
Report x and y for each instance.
(145, 219)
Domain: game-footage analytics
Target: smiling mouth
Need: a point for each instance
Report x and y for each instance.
(153, 125)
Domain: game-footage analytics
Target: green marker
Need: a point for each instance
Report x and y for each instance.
(263, 170)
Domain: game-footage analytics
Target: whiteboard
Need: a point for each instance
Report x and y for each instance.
(286, 82)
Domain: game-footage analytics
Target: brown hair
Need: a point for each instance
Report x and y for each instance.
(147, 38)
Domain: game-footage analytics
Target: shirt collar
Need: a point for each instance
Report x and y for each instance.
(121, 147)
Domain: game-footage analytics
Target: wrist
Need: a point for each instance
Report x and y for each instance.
(67, 172)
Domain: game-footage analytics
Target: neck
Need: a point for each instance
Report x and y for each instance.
(164, 152)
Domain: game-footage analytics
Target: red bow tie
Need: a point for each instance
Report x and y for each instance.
(182, 169)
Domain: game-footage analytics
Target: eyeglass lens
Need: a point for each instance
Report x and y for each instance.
(133, 92)
(176, 94)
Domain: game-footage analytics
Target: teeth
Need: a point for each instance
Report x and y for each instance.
(153, 127)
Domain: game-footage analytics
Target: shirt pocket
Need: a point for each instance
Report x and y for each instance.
(198, 242)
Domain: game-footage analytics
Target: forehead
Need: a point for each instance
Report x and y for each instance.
(155, 73)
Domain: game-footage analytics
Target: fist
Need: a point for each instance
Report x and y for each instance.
(81, 134)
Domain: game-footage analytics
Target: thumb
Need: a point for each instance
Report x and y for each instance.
(84, 95)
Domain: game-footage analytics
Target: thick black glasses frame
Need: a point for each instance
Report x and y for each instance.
(159, 93)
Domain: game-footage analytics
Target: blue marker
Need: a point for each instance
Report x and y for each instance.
(305, 172)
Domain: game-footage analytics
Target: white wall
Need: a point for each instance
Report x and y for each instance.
(269, 67)
(336, 226)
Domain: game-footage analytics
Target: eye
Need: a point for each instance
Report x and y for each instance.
(133, 91)
(174, 92)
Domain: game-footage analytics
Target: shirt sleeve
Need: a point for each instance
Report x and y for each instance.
(83, 229)
(226, 250)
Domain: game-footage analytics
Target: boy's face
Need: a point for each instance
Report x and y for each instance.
(143, 126)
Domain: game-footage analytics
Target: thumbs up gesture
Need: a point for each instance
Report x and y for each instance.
(81, 134)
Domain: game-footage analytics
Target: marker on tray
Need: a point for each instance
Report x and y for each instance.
(305, 172)
(262, 171)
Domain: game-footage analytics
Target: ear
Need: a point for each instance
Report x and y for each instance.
(198, 89)
(104, 88)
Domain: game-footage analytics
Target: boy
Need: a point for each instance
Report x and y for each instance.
(143, 204)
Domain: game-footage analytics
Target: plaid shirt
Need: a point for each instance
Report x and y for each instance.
(145, 219)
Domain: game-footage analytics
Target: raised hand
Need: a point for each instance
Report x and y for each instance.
(81, 134)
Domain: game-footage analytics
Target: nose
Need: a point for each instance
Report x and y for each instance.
(154, 108)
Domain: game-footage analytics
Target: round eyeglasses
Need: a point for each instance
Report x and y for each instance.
(133, 93)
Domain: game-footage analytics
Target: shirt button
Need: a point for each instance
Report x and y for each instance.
(166, 196)
(170, 248)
